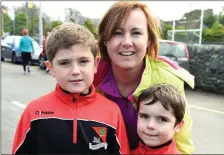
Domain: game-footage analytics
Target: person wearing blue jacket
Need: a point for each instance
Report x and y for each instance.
(26, 48)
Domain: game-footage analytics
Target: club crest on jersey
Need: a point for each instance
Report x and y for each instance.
(102, 133)
(101, 141)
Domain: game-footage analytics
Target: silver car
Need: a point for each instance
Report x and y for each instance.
(10, 49)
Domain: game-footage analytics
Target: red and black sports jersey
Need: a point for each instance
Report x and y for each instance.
(62, 123)
(167, 148)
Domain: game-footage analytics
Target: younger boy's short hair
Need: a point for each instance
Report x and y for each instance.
(66, 35)
(170, 98)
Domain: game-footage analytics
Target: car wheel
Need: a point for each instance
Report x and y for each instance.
(41, 62)
(2, 59)
(14, 59)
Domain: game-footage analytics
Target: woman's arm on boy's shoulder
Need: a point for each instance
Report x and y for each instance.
(23, 140)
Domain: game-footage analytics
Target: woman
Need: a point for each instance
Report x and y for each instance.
(128, 42)
(26, 48)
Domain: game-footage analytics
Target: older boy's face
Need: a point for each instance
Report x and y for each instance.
(156, 125)
(74, 68)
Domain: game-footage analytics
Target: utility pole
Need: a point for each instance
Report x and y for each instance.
(26, 14)
(173, 31)
(40, 26)
(3, 10)
(32, 33)
(201, 26)
(13, 23)
(2, 22)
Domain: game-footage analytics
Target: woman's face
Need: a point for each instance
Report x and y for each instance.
(128, 44)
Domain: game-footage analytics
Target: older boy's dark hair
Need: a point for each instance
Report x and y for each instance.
(66, 35)
(168, 95)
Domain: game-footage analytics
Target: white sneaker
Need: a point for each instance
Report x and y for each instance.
(28, 69)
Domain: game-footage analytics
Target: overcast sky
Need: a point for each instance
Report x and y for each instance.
(166, 10)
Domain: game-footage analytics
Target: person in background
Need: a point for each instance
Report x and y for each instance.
(26, 48)
(161, 111)
(44, 55)
(129, 63)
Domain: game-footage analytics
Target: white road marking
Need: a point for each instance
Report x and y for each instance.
(19, 104)
(207, 109)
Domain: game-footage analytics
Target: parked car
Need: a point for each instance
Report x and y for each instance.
(176, 51)
(10, 49)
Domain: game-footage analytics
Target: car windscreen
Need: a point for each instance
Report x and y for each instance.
(175, 49)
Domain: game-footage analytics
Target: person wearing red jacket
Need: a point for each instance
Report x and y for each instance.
(44, 55)
(161, 110)
(72, 119)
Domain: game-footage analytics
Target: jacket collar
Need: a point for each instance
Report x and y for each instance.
(72, 98)
(168, 147)
(156, 72)
(143, 145)
(108, 85)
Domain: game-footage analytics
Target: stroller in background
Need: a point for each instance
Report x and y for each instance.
(43, 58)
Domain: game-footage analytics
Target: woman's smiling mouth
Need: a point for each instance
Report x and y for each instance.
(126, 53)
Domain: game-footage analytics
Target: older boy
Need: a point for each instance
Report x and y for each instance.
(73, 118)
(160, 114)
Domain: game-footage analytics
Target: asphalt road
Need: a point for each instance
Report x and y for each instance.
(17, 90)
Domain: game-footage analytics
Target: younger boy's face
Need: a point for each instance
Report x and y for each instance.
(74, 68)
(156, 125)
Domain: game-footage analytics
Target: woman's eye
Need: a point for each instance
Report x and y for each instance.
(117, 33)
(136, 33)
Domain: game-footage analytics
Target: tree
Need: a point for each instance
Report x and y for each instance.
(89, 25)
(33, 18)
(165, 29)
(8, 25)
(6, 22)
(215, 33)
(209, 18)
(217, 30)
(72, 15)
(20, 22)
(55, 23)
(46, 23)
(221, 17)
(192, 15)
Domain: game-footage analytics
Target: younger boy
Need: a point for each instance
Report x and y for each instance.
(160, 114)
(73, 118)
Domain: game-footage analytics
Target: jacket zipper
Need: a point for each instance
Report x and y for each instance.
(73, 99)
(75, 120)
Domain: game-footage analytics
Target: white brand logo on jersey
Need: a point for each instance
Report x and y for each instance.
(98, 144)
